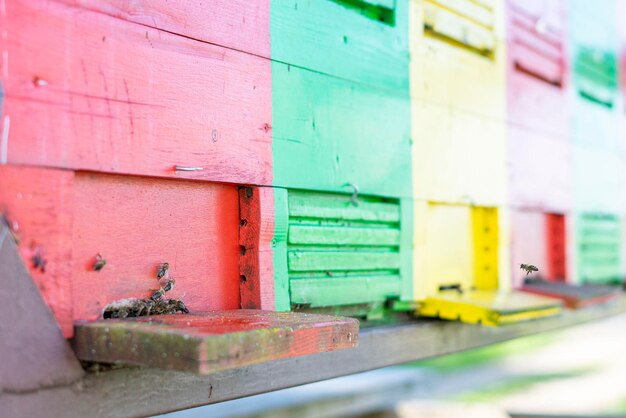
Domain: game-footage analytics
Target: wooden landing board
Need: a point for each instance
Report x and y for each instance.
(572, 296)
(212, 341)
(488, 307)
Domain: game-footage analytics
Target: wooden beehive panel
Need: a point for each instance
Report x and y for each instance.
(486, 244)
(209, 342)
(75, 100)
(556, 247)
(365, 41)
(443, 248)
(339, 253)
(528, 244)
(452, 74)
(38, 204)
(136, 224)
(598, 245)
(537, 66)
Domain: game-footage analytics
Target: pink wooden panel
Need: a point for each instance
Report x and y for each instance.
(38, 203)
(528, 243)
(237, 24)
(86, 90)
(536, 47)
(138, 223)
(540, 170)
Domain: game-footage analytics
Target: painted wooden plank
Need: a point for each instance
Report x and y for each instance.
(462, 159)
(556, 247)
(256, 232)
(343, 132)
(337, 38)
(486, 242)
(209, 342)
(32, 347)
(443, 248)
(339, 260)
(322, 292)
(455, 77)
(407, 210)
(598, 245)
(573, 297)
(281, 268)
(536, 178)
(328, 235)
(39, 206)
(178, 102)
(136, 224)
(331, 206)
(235, 24)
(528, 244)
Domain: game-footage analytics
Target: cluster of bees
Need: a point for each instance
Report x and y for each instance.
(155, 305)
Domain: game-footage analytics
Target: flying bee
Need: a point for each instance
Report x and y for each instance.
(99, 263)
(528, 268)
(162, 272)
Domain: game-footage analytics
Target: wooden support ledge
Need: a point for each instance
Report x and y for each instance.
(148, 391)
(209, 342)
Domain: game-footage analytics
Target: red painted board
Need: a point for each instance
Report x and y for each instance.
(38, 203)
(556, 247)
(256, 232)
(136, 224)
(537, 69)
(85, 90)
(236, 24)
(209, 342)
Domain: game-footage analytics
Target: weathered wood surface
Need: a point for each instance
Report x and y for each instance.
(117, 392)
(236, 24)
(137, 223)
(528, 244)
(208, 342)
(39, 205)
(75, 99)
(34, 352)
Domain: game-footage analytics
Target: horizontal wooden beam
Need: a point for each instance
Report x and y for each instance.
(117, 392)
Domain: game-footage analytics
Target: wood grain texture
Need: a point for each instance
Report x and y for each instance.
(39, 204)
(238, 24)
(210, 342)
(331, 38)
(330, 132)
(257, 241)
(138, 223)
(176, 102)
(319, 292)
(99, 394)
(34, 353)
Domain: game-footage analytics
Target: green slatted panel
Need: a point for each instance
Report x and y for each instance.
(596, 75)
(599, 248)
(341, 254)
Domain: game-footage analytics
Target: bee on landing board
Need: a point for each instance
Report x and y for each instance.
(528, 268)
(99, 262)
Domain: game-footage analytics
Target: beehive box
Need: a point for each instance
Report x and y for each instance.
(459, 101)
(341, 151)
(599, 248)
(538, 110)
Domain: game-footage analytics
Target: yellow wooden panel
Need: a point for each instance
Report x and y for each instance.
(458, 157)
(488, 307)
(485, 235)
(454, 76)
(443, 247)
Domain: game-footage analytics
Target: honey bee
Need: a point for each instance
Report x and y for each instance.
(39, 262)
(163, 270)
(158, 294)
(99, 262)
(528, 268)
(169, 285)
